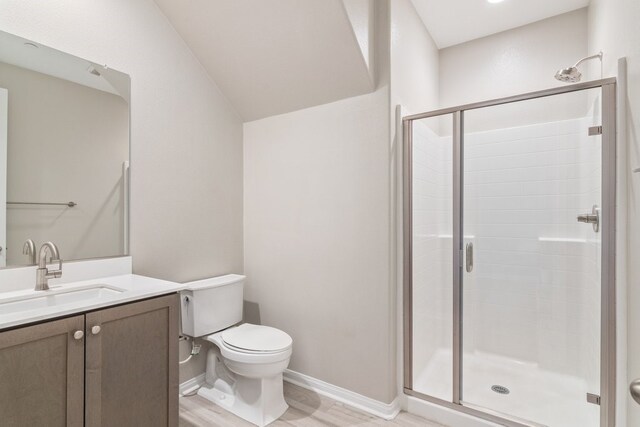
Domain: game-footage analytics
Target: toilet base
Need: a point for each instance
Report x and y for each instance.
(257, 400)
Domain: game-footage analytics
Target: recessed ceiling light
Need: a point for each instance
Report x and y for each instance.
(495, 1)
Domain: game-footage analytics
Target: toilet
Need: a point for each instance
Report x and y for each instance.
(245, 365)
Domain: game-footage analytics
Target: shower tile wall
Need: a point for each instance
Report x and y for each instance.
(534, 293)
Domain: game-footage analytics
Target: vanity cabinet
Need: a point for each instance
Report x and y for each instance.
(112, 367)
(42, 374)
(132, 364)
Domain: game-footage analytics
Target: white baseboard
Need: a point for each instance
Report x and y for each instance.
(191, 385)
(387, 411)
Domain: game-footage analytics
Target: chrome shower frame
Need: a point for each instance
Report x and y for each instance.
(608, 226)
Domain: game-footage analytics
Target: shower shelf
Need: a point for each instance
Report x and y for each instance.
(561, 239)
(449, 236)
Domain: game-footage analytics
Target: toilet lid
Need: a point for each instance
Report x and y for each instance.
(257, 338)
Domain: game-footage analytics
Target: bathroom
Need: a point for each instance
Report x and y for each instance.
(306, 155)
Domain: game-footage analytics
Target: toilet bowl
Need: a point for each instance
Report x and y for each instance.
(249, 382)
(245, 366)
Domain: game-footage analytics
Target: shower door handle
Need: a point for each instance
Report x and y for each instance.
(634, 389)
(469, 257)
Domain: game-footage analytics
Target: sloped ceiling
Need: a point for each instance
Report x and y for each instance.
(451, 22)
(276, 56)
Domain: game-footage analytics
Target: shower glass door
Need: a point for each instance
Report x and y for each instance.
(509, 257)
(531, 277)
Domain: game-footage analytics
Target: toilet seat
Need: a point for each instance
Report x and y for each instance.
(249, 335)
(252, 339)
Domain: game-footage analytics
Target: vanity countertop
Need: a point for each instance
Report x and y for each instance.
(28, 306)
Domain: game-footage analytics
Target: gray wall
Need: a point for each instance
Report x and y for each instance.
(514, 61)
(317, 238)
(318, 235)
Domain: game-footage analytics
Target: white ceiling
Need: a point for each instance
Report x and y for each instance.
(276, 56)
(451, 22)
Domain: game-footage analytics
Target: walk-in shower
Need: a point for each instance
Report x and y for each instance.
(509, 218)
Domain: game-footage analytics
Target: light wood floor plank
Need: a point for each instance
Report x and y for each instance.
(306, 409)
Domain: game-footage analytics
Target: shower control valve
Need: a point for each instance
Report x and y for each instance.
(592, 218)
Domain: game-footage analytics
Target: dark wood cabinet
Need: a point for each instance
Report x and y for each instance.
(42, 374)
(112, 367)
(131, 365)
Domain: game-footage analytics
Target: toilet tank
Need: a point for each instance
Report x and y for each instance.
(211, 305)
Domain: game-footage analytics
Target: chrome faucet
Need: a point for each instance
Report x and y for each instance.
(29, 248)
(42, 273)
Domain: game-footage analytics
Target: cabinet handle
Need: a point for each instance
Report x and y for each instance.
(78, 335)
(95, 330)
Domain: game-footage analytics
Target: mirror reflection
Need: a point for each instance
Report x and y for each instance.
(64, 154)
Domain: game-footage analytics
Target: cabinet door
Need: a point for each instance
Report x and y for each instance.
(132, 364)
(42, 374)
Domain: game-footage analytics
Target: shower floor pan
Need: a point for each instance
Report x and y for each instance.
(538, 396)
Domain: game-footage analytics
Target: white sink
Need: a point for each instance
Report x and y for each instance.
(37, 300)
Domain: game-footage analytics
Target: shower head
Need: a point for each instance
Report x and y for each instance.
(571, 74)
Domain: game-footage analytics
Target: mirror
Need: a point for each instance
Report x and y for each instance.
(64, 154)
